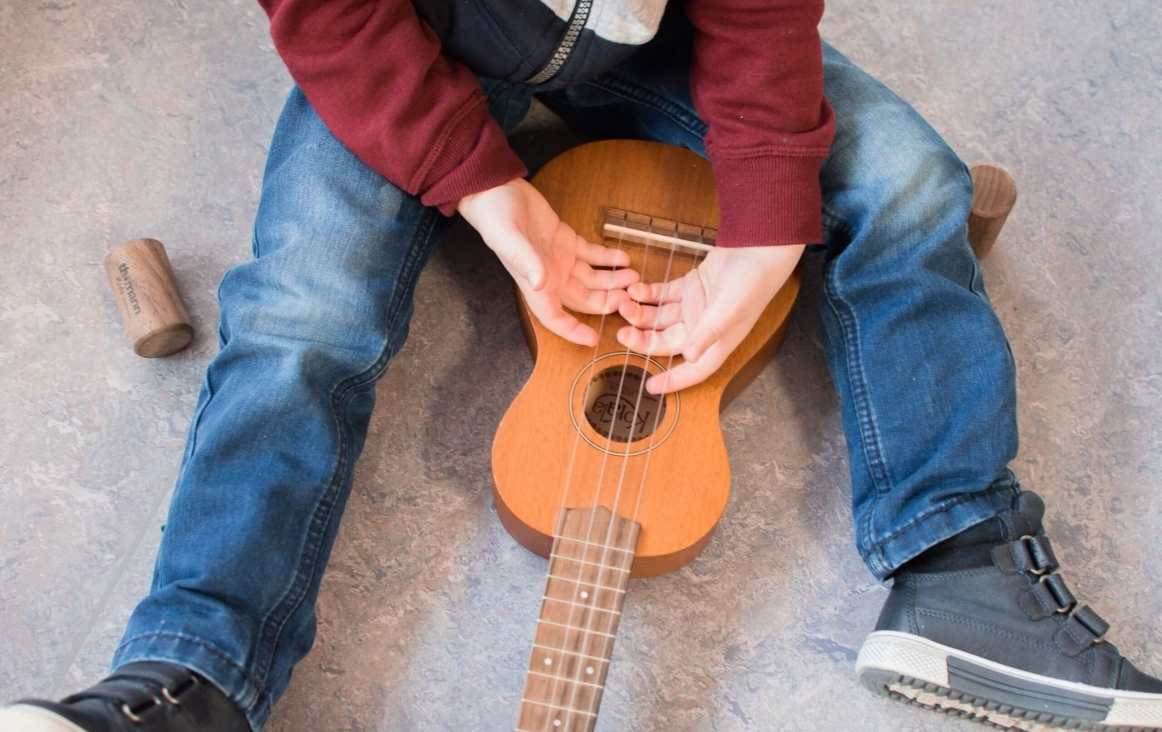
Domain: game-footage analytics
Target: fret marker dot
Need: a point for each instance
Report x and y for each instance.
(556, 723)
(589, 669)
(584, 595)
(548, 662)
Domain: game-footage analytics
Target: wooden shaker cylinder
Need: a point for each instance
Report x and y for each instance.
(148, 298)
(994, 195)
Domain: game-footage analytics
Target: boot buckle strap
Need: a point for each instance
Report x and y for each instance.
(1080, 630)
(1092, 621)
(1049, 596)
(1031, 554)
(134, 717)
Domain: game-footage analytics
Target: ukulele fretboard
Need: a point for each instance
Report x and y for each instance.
(588, 574)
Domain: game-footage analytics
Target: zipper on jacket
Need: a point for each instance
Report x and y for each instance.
(565, 47)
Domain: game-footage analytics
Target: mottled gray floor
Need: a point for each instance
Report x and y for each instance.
(148, 118)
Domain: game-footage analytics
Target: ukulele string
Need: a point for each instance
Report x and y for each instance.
(585, 396)
(649, 449)
(569, 472)
(609, 541)
(657, 417)
(573, 604)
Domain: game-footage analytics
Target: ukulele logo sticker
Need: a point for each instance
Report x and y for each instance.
(619, 408)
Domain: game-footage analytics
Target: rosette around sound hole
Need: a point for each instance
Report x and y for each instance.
(618, 406)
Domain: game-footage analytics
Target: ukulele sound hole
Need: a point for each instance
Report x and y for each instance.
(618, 406)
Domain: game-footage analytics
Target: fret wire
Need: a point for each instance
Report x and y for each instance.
(596, 585)
(571, 653)
(590, 543)
(577, 604)
(555, 706)
(603, 648)
(573, 627)
(561, 678)
(585, 561)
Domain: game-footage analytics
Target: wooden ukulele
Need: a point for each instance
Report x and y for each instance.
(590, 470)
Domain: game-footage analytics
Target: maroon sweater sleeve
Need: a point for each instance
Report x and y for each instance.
(757, 80)
(374, 73)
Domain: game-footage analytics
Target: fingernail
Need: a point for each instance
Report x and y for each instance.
(535, 279)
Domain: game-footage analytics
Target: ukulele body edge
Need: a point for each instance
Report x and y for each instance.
(546, 456)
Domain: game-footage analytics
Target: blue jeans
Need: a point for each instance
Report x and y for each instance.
(923, 369)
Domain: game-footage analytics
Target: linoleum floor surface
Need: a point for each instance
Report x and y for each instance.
(142, 118)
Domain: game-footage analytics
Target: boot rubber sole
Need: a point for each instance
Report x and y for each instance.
(27, 718)
(918, 671)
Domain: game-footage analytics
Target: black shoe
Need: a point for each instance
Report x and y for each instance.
(140, 697)
(981, 627)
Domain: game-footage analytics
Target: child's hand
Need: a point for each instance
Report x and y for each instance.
(548, 260)
(704, 315)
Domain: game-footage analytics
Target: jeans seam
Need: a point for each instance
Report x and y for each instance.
(294, 595)
(944, 508)
(976, 284)
(259, 687)
(192, 442)
(873, 452)
(635, 93)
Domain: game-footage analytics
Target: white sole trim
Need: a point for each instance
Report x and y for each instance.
(27, 718)
(922, 659)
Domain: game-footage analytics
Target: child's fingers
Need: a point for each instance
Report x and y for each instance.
(604, 279)
(601, 256)
(688, 373)
(658, 293)
(557, 320)
(702, 337)
(666, 342)
(648, 317)
(726, 319)
(580, 298)
(520, 257)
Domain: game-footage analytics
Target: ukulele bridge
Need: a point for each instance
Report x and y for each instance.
(652, 230)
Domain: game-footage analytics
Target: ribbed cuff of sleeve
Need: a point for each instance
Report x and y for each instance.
(472, 155)
(769, 200)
